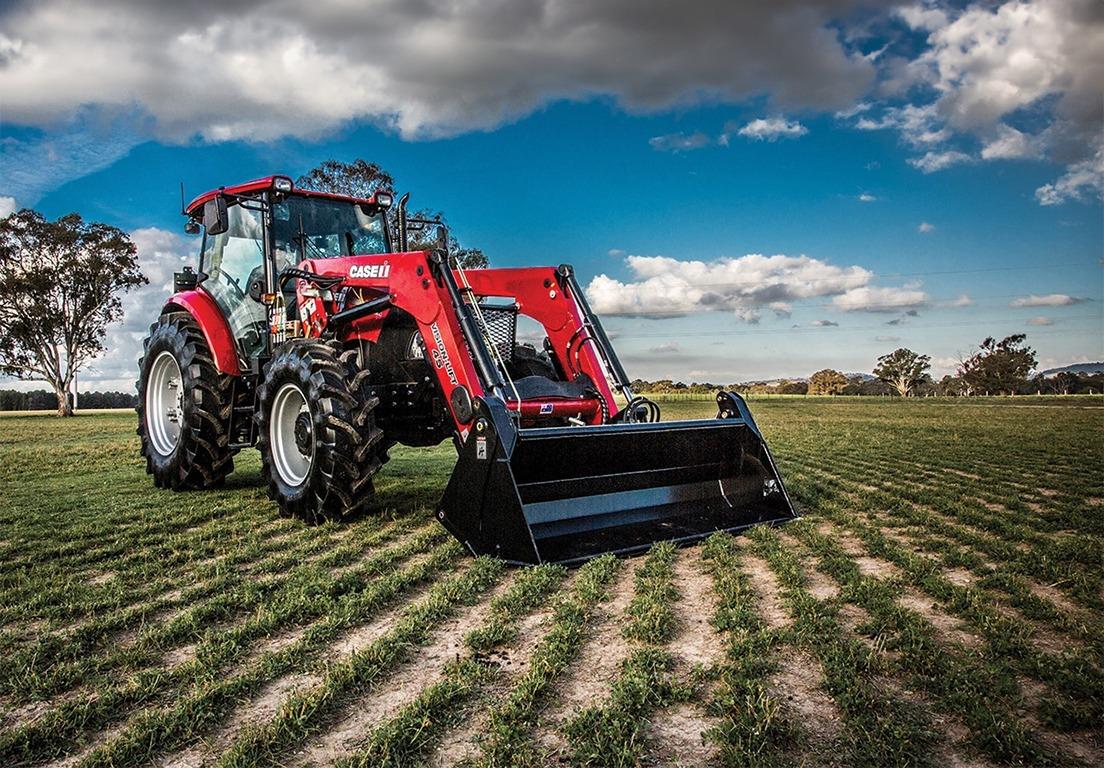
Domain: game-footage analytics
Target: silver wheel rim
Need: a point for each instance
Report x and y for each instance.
(292, 464)
(164, 403)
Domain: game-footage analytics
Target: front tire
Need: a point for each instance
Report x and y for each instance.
(316, 431)
(183, 408)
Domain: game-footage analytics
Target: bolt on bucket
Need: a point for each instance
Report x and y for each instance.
(567, 494)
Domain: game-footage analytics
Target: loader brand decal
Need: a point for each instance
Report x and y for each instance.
(440, 356)
(546, 408)
(307, 309)
(370, 270)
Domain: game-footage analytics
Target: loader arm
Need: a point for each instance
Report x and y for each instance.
(542, 476)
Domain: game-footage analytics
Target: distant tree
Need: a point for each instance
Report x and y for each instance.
(792, 388)
(362, 178)
(902, 369)
(999, 367)
(827, 382)
(858, 385)
(359, 178)
(1064, 383)
(951, 386)
(59, 289)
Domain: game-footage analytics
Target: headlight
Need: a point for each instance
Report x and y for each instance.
(384, 199)
(281, 184)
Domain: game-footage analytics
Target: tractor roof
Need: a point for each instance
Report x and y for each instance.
(266, 182)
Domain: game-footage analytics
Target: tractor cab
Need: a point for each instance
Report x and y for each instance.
(256, 230)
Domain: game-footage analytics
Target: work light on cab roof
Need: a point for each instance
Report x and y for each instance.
(312, 330)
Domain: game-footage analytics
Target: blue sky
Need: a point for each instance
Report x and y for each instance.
(868, 244)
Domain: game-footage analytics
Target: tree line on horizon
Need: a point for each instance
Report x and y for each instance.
(1005, 367)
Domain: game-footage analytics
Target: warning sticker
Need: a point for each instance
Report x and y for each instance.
(481, 448)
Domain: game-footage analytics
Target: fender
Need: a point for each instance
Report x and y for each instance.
(208, 316)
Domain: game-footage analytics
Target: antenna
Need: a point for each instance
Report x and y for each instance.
(183, 210)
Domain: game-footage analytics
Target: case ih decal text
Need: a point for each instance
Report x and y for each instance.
(440, 356)
(370, 270)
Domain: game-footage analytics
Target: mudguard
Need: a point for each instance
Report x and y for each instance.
(208, 316)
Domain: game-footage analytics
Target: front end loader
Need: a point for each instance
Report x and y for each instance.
(316, 332)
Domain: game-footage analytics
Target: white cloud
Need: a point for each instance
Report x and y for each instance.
(931, 162)
(7, 206)
(925, 227)
(962, 301)
(866, 197)
(666, 348)
(824, 324)
(919, 126)
(993, 61)
(772, 129)
(1040, 321)
(288, 68)
(872, 298)
(1086, 176)
(923, 17)
(1010, 144)
(886, 339)
(667, 287)
(679, 142)
(845, 114)
(160, 254)
(1049, 300)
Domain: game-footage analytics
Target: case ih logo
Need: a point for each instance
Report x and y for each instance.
(370, 270)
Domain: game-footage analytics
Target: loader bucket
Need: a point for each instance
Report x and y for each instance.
(567, 494)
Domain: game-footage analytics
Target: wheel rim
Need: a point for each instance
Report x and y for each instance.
(290, 435)
(164, 403)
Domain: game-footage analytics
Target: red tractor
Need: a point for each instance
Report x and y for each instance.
(311, 331)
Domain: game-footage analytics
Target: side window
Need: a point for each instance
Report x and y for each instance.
(229, 259)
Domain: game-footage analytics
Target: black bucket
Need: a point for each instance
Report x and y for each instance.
(567, 494)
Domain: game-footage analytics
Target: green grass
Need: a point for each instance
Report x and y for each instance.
(136, 623)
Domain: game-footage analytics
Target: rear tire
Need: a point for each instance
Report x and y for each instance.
(316, 431)
(184, 405)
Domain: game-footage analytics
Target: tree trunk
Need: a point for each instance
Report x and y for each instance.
(63, 407)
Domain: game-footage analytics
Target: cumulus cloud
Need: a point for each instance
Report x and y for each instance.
(872, 298)
(7, 206)
(288, 68)
(666, 348)
(866, 197)
(919, 126)
(667, 287)
(1040, 321)
(925, 227)
(679, 142)
(824, 324)
(993, 62)
(772, 129)
(1049, 300)
(931, 162)
(962, 301)
(1011, 144)
(160, 254)
(1080, 181)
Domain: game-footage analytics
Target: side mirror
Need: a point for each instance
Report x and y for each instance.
(216, 219)
(191, 227)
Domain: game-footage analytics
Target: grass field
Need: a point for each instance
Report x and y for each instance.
(940, 603)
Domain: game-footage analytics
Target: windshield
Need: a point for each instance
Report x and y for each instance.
(316, 228)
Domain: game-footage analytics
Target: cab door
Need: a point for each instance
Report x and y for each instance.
(232, 260)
